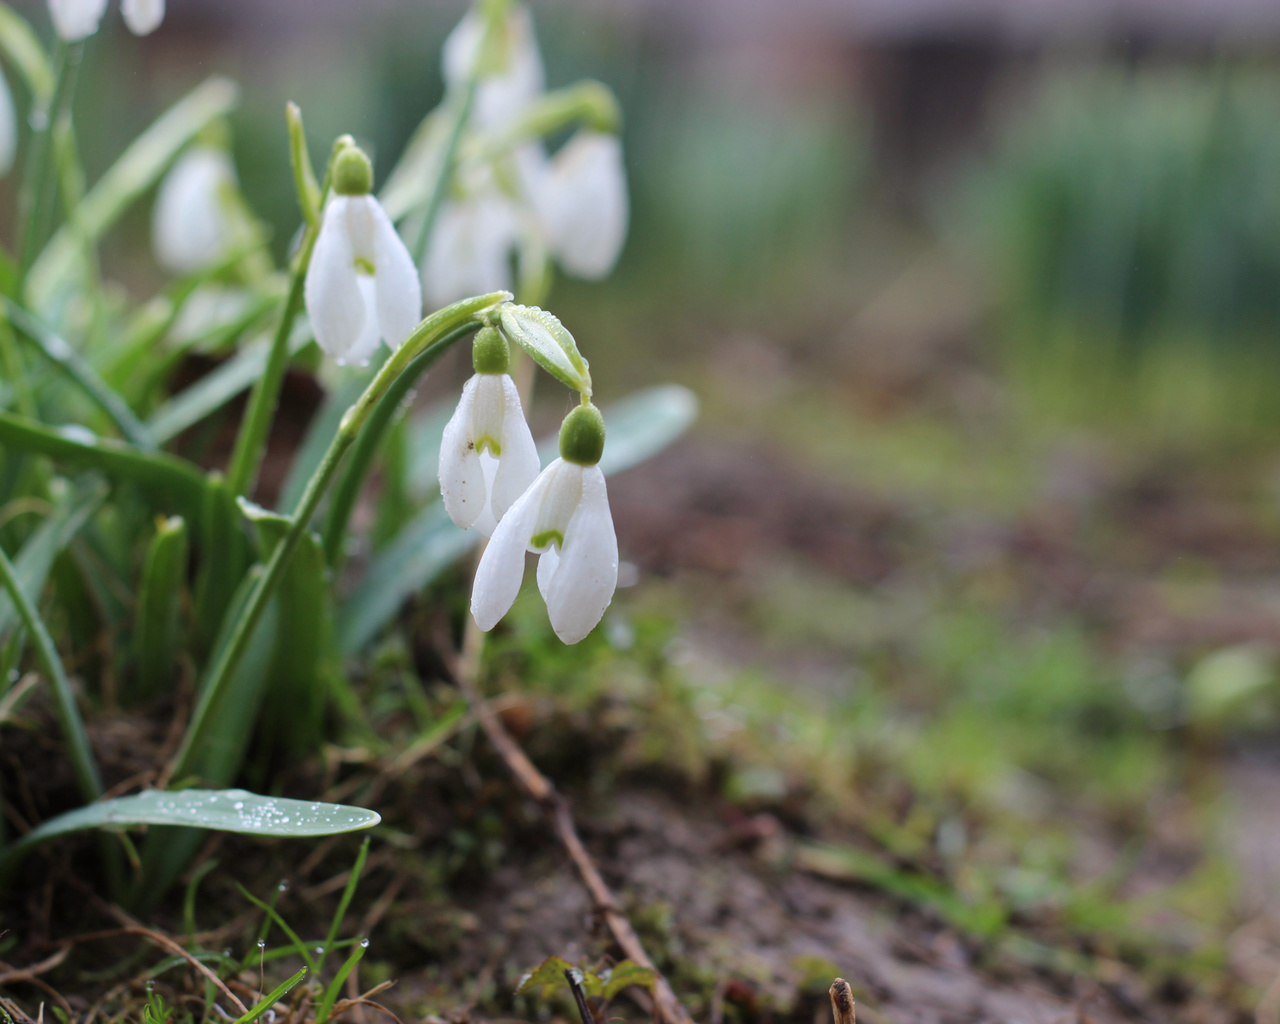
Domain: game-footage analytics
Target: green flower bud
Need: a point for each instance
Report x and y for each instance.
(489, 352)
(352, 173)
(582, 436)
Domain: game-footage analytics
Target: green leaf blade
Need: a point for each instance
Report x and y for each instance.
(552, 347)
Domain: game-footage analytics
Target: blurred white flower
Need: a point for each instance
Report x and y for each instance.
(191, 226)
(510, 68)
(8, 127)
(487, 456)
(76, 19)
(580, 197)
(470, 248)
(142, 16)
(361, 286)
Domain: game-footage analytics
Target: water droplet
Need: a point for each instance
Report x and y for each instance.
(262, 943)
(283, 886)
(227, 951)
(239, 805)
(151, 986)
(319, 950)
(364, 943)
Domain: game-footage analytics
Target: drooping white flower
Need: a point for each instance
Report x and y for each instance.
(470, 248)
(564, 516)
(510, 66)
(142, 16)
(580, 197)
(191, 226)
(361, 286)
(8, 127)
(487, 455)
(76, 19)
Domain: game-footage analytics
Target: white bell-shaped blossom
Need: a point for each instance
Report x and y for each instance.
(564, 516)
(142, 16)
(487, 455)
(74, 20)
(191, 226)
(8, 127)
(510, 69)
(361, 286)
(470, 249)
(580, 197)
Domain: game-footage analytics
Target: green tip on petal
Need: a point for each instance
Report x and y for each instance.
(582, 436)
(352, 172)
(490, 352)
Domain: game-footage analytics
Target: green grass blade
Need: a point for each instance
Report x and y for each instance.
(137, 169)
(223, 559)
(163, 475)
(164, 574)
(638, 428)
(66, 360)
(83, 763)
(21, 47)
(271, 998)
(344, 903)
(214, 390)
(35, 561)
(335, 986)
(299, 946)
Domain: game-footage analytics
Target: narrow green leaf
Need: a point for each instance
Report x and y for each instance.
(164, 575)
(21, 47)
(271, 998)
(214, 390)
(167, 477)
(299, 946)
(544, 337)
(409, 183)
(65, 359)
(223, 557)
(35, 561)
(137, 169)
(335, 986)
(345, 902)
(639, 427)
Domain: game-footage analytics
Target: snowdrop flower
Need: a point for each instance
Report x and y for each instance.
(470, 249)
(565, 517)
(191, 227)
(510, 66)
(487, 456)
(361, 285)
(76, 19)
(581, 201)
(8, 127)
(142, 16)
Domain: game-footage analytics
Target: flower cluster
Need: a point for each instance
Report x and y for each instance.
(78, 19)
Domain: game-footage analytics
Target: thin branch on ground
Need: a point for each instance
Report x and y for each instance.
(539, 787)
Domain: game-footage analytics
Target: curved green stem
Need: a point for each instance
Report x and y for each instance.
(82, 760)
(433, 333)
(251, 442)
(444, 171)
(347, 489)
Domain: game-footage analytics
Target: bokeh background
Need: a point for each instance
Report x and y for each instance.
(976, 547)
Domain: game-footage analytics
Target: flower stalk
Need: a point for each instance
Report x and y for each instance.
(251, 442)
(434, 333)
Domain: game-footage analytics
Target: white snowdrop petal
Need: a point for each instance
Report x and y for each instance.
(501, 567)
(363, 348)
(582, 203)
(398, 289)
(548, 562)
(335, 304)
(142, 16)
(76, 19)
(556, 510)
(8, 127)
(461, 46)
(462, 485)
(190, 225)
(587, 575)
(519, 465)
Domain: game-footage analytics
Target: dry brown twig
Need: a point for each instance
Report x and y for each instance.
(539, 787)
(842, 1002)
